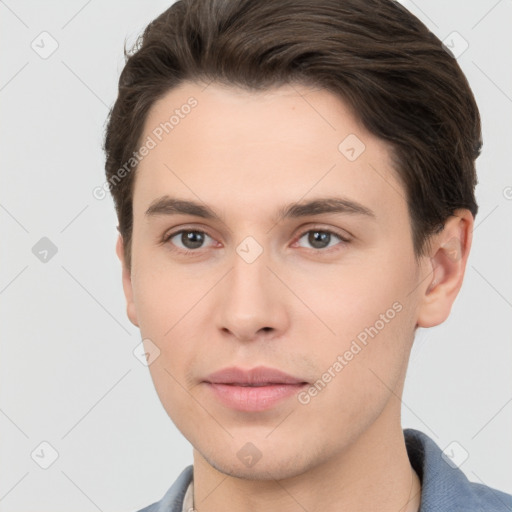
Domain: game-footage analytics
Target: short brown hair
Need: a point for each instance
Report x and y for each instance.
(395, 74)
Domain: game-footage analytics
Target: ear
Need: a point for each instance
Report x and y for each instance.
(127, 283)
(447, 263)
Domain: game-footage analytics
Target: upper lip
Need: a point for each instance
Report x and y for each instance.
(259, 375)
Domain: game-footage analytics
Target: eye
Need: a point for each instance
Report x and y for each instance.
(190, 239)
(321, 238)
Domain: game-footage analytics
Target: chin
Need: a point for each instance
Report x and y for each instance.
(275, 466)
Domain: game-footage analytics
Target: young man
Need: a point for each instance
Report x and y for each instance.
(294, 183)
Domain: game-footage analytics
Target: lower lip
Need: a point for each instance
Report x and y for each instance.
(253, 398)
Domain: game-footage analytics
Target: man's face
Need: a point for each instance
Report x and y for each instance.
(259, 289)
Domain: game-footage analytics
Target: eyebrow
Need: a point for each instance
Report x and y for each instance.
(167, 205)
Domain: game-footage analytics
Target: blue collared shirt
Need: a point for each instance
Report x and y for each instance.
(444, 487)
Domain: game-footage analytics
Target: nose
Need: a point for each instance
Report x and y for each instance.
(252, 302)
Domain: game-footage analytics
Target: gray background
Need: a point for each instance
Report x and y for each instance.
(67, 369)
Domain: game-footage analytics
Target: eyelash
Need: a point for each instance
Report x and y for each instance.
(344, 240)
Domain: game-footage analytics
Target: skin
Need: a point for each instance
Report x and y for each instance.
(295, 308)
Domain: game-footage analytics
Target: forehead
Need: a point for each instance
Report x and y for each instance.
(249, 150)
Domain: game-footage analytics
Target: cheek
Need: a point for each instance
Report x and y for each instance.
(359, 375)
(165, 310)
(162, 297)
(175, 396)
(166, 316)
(371, 326)
(350, 298)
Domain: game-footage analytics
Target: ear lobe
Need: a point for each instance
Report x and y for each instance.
(449, 254)
(127, 283)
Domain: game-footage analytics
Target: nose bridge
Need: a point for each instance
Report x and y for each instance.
(250, 269)
(252, 300)
(250, 280)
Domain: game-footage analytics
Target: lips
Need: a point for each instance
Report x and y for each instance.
(259, 376)
(252, 390)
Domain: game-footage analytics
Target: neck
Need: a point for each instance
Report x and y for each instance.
(372, 473)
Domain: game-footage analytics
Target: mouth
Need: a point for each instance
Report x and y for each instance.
(253, 390)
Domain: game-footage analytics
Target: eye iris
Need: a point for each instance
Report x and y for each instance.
(192, 239)
(318, 238)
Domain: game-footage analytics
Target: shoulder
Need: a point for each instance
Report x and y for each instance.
(444, 485)
(172, 501)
